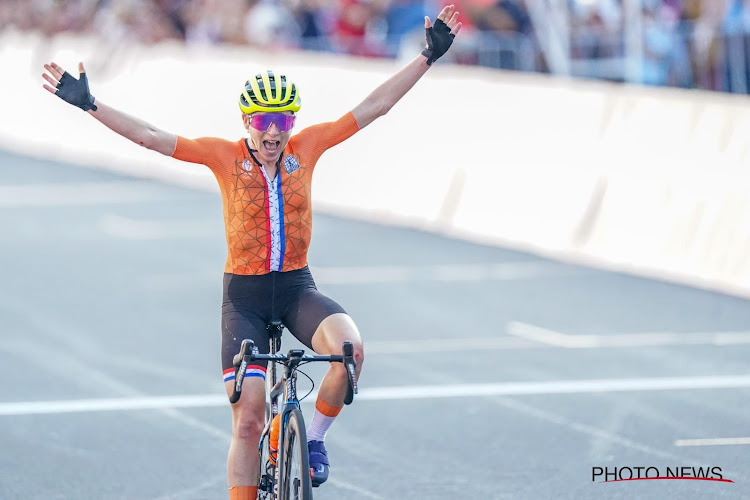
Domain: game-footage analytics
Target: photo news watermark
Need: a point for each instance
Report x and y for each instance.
(615, 474)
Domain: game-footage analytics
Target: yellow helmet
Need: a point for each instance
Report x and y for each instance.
(269, 92)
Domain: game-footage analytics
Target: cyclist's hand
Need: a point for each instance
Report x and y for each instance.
(440, 37)
(72, 90)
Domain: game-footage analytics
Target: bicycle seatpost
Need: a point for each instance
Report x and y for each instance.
(275, 328)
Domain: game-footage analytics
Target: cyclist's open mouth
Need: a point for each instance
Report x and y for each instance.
(271, 146)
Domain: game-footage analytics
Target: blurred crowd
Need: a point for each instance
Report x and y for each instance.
(687, 43)
(683, 43)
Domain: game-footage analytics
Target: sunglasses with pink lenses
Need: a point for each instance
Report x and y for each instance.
(261, 121)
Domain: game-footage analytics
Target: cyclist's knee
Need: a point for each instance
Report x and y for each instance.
(247, 423)
(248, 414)
(359, 355)
(339, 370)
(333, 331)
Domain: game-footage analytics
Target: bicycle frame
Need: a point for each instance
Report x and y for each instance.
(289, 401)
(281, 394)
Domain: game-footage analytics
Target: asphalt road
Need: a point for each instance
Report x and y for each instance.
(489, 374)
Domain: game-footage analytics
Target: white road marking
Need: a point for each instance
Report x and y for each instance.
(446, 345)
(644, 339)
(555, 387)
(447, 273)
(132, 229)
(112, 404)
(393, 393)
(355, 275)
(79, 193)
(712, 442)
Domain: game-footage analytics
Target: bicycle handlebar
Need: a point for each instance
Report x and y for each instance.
(292, 359)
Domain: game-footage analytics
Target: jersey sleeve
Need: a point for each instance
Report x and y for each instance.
(314, 140)
(206, 150)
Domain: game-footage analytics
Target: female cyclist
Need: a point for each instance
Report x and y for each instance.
(265, 182)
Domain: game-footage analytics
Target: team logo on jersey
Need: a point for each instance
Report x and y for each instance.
(290, 164)
(246, 165)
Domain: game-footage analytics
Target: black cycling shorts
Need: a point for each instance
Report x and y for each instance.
(253, 301)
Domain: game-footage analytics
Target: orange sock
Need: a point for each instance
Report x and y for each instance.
(243, 493)
(323, 417)
(327, 409)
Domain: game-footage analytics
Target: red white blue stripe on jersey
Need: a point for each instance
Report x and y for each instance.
(274, 207)
(250, 371)
(282, 243)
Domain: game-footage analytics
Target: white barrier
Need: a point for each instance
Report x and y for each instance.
(650, 181)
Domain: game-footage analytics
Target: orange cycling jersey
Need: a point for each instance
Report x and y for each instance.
(268, 222)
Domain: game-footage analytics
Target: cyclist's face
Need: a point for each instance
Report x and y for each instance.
(269, 143)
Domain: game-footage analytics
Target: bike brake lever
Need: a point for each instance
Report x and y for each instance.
(350, 364)
(240, 365)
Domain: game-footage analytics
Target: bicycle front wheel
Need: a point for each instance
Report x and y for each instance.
(295, 472)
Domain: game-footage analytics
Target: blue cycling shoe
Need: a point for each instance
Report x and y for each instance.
(318, 462)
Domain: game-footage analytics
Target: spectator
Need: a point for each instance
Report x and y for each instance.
(351, 33)
(736, 26)
(401, 16)
(18, 14)
(48, 16)
(702, 43)
(702, 21)
(658, 44)
(504, 27)
(214, 21)
(269, 24)
(174, 10)
(313, 23)
(133, 20)
(597, 30)
(505, 15)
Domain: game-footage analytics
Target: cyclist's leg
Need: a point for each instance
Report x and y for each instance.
(320, 323)
(247, 423)
(330, 334)
(248, 413)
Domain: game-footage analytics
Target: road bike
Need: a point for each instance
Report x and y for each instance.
(285, 474)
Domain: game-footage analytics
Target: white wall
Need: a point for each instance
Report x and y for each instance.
(651, 181)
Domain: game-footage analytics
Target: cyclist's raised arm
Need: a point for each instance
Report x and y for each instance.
(439, 39)
(76, 92)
